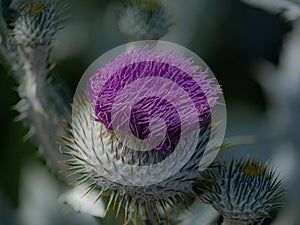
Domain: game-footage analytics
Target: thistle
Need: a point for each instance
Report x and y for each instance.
(38, 22)
(244, 192)
(140, 19)
(26, 40)
(127, 138)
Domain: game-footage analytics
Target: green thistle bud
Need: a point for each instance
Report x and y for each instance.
(38, 22)
(243, 192)
(144, 20)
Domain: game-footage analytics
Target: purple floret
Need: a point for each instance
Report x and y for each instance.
(111, 79)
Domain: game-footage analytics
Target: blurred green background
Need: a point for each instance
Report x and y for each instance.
(230, 36)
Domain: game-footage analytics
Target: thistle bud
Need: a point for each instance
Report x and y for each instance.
(144, 20)
(38, 22)
(244, 192)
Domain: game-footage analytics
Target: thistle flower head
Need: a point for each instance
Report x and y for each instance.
(141, 71)
(245, 191)
(140, 126)
(144, 19)
(38, 22)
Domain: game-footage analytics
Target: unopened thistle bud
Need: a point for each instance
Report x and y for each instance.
(142, 120)
(244, 191)
(144, 19)
(38, 22)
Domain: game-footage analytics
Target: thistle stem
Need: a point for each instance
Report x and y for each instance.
(41, 105)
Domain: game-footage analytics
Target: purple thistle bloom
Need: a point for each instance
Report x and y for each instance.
(111, 79)
(145, 125)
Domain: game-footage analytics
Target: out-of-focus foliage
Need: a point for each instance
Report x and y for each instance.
(290, 8)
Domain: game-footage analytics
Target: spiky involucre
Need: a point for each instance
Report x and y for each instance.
(141, 20)
(38, 22)
(245, 191)
(98, 144)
